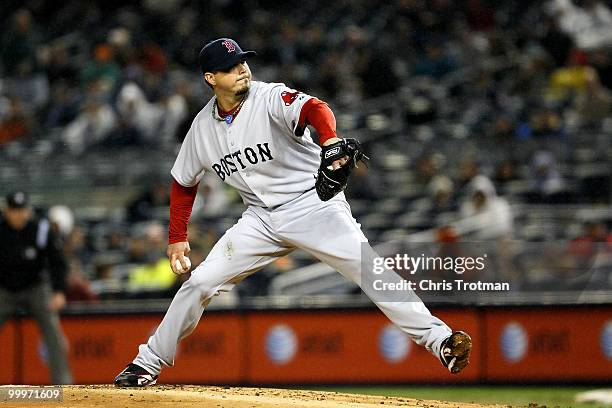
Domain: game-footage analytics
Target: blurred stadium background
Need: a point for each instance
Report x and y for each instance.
(487, 121)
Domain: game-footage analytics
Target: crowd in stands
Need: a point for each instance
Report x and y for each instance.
(525, 82)
(115, 75)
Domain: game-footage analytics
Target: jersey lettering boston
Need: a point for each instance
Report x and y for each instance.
(229, 164)
(263, 133)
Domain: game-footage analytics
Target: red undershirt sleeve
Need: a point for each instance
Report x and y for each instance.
(318, 114)
(181, 203)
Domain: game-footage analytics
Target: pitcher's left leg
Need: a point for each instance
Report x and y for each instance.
(333, 236)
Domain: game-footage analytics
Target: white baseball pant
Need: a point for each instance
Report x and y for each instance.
(327, 230)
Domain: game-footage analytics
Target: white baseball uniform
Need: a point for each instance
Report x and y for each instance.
(261, 156)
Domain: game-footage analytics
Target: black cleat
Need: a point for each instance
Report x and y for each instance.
(135, 376)
(455, 351)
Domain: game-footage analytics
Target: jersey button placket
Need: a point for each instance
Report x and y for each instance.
(230, 138)
(232, 145)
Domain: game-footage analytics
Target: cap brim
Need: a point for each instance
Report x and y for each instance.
(17, 205)
(236, 58)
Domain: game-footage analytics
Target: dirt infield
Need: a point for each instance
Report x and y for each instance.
(96, 396)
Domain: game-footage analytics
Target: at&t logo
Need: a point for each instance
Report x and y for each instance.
(281, 344)
(606, 340)
(393, 344)
(514, 342)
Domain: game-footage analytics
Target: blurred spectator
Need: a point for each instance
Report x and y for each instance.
(546, 123)
(14, 124)
(148, 242)
(436, 62)
(125, 134)
(146, 206)
(78, 256)
(427, 167)
(154, 59)
(572, 78)
(375, 69)
(102, 69)
(546, 181)
(446, 235)
(78, 287)
(76, 247)
(59, 67)
(30, 88)
(601, 61)
(137, 249)
(116, 241)
(363, 185)
(486, 216)
(96, 121)
(468, 169)
(590, 256)
(480, 15)
(594, 233)
(106, 284)
(65, 106)
(328, 77)
(589, 24)
(420, 109)
(156, 277)
(62, 220)
(505, 173)
(19, 44)
(594, 104)
(138, 112)
(174, 112)
(441, 193)
(503, 128)
(556, 42)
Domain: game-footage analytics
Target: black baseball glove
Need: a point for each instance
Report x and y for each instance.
(331, 182)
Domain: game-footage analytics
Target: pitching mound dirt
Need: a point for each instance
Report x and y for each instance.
(96, 396)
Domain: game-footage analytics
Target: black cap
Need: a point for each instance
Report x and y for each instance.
(222, 54)
(17, 199)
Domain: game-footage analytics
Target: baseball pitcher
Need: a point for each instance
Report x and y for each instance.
(254, 136)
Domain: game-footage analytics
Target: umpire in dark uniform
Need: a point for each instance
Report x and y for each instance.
(29, 248)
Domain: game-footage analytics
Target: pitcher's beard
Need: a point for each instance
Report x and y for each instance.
(244, 90)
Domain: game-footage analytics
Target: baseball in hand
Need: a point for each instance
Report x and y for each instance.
(179, 268)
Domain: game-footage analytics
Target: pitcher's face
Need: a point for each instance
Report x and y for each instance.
(235, 80)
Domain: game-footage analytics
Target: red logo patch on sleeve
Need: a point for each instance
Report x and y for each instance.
(289, 97)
